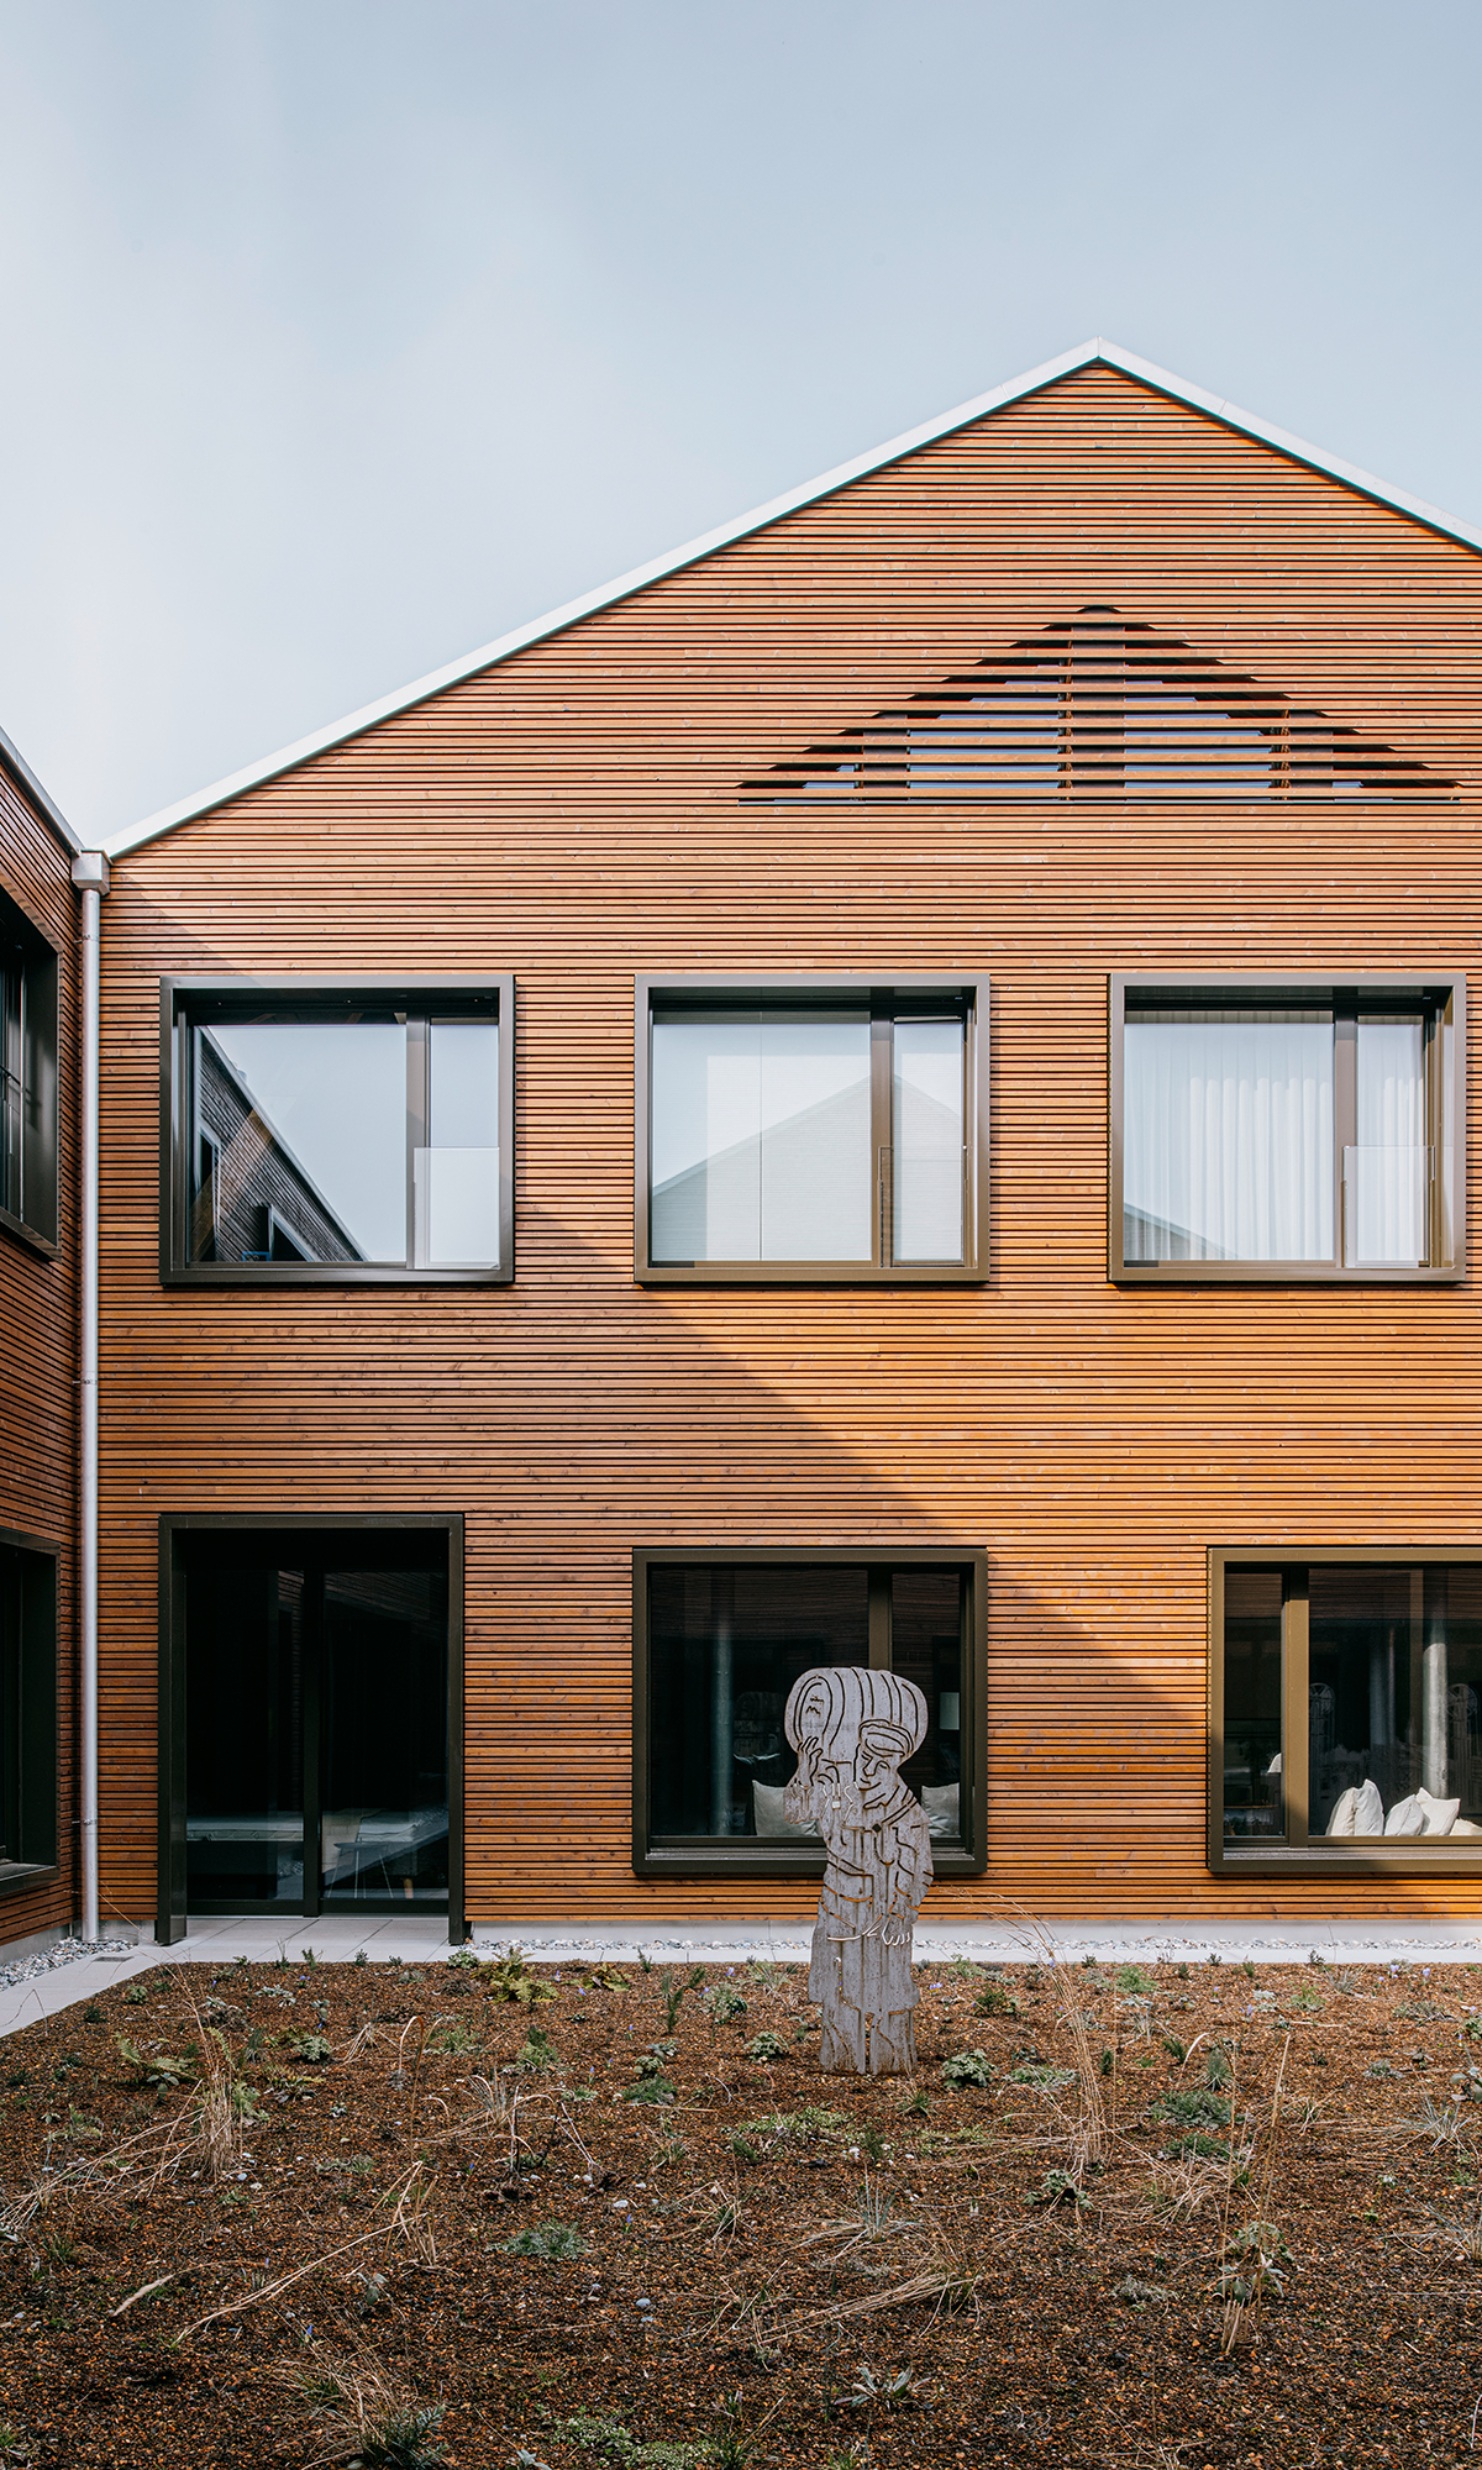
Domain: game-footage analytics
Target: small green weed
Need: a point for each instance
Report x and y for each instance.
(557, 2241)
(510, 1980)
(994, 1999)
(673, 1992)
(1198, 2107)
(966, 2067)
(722, 2003)
(1134, 1981)
(766, 2046)
(536, 2051)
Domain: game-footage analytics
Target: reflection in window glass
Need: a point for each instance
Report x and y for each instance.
(1395, 1687)
(761, 1137)
(927, 1134)
(726, 1645)
(317, 1720)
(1253, 1787)
(308, 1122)
(1227, 1134)
(369, 1137)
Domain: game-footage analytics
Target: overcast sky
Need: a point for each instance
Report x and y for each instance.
(341, 335)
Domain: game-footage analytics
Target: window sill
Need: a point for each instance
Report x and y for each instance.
(326, 1273)
(1279, 1273)
(759, 1860)
(1404, 1854)
(806, 1273)
(16, 1875)
(30, 1236)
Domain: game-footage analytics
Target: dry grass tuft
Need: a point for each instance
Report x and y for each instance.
(361, 2413)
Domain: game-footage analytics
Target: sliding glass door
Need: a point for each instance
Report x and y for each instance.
(311, 1676)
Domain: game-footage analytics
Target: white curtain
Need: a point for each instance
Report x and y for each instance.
(927, 1137)
(1227, 1135)
(760, 1137)
(1387, 1173)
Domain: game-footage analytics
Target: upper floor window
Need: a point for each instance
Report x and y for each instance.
(830, 1131)
(1297, 1129)
(331, 1131)
(28, 1078)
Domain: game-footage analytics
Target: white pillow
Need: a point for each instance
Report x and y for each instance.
(1465, 1826)
(1407, 1817)
(1440, 1816)
(941, 1803)
(1368, 1815)
(769, 1816)
(1341, 1822)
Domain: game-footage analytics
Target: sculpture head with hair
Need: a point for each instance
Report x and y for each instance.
(853, 1726)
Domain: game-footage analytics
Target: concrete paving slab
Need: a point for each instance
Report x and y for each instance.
(337, 1938)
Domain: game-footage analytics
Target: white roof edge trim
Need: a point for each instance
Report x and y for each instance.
(14, 762)
(535, 630)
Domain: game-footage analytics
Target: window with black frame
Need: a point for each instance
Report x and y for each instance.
(325, 1132)
(28, 1077)
(809, 1131)
(1305, 1130)
(720, 1643)
(1349, 1708)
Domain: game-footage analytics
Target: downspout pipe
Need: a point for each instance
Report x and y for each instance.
(90, 875)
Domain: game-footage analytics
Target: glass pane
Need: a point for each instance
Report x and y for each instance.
(1364, 1698)
(1395, 1686)
(11, 1079)
(244, 1696)
(1387, 1174)
(384, 1723)
(456, 1178)
(725, 1647)
(926, 1634)
(1253, 1788)
(761, 1137)
(300, 1142)
(1227, 1135)
(927, 1133)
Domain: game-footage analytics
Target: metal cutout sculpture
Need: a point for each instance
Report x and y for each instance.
(851, 1727)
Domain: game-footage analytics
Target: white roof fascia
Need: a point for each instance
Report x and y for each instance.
(14, 762)
(536, 630)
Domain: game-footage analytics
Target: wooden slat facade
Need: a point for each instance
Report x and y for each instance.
(38, 1338)
(576, 815)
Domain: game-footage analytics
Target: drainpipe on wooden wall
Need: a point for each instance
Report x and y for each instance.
(90, 874)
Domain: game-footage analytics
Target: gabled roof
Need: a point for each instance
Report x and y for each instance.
(1085, 355)
(14, 762)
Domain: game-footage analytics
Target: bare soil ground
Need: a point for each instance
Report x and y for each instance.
(409, 2216)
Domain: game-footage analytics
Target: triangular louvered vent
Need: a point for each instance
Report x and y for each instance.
(1099, 706)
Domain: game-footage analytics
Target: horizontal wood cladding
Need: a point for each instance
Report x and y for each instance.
(38, 1331)
(576, 816)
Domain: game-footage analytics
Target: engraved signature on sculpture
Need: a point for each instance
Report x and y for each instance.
(852, 1726)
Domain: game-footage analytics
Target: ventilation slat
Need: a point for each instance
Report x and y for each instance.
(1099, 707)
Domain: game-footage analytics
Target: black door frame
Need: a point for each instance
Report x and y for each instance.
(171, 1917)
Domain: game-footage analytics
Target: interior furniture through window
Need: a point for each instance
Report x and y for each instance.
(1346, 1710)
(310, 1705)
(803, 1130)
(719, 1640)
(28, 1079)
(330, 1131)
(28, 1708)
(1296, 1129)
